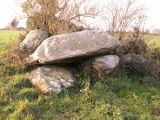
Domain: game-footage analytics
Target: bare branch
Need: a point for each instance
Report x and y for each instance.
(121, 16)
(56, 16)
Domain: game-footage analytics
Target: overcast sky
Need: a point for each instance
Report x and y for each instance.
(9, 9)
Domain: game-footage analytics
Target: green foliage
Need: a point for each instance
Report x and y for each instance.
(153, 54)
(133, 43)
(22, 110)
(7, 70)
(137, 44)
(28, 93)
(137, 47)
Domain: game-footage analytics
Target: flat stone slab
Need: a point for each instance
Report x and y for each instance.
(74, 46)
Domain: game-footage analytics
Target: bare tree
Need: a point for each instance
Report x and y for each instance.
(58, 16)
(123, 15)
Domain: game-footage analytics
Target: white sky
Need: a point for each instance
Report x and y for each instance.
(9, 9)
(152, 12)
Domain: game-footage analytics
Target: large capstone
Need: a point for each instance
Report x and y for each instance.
(74, 46)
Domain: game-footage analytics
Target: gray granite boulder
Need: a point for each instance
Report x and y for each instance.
(102, 65)
(106, 64)
(33, 39)
(74, 46)
(50, 79)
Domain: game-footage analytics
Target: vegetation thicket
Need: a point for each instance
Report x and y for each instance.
(57, 17)
(123, 97)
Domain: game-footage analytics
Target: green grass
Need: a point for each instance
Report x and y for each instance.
(7, 37)
(153, 40)
(124, 98)
(108, 98)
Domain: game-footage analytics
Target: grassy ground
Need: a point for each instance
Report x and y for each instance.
(7, 37)
(155, 41)
(108, 98)
(124, 98)
(152, 40)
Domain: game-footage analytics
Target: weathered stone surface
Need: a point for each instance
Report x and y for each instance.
(33, 39)
(73, 46)
(100, 65)
(106, 64)
(49, 79)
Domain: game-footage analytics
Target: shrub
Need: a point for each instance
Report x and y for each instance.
(14, 61)
(135, 45)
